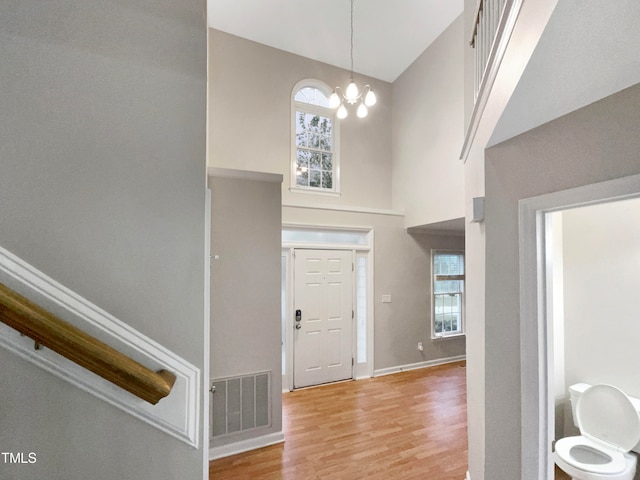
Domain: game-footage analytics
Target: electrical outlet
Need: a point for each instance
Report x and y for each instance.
(420, 347)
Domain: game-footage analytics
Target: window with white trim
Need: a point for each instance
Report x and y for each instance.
(315, 162)
(448, 293)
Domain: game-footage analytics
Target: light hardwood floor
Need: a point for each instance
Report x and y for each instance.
(410, 425)
(560, 475)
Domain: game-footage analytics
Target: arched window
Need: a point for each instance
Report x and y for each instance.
(314, 151)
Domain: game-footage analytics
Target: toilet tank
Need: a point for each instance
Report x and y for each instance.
(574, 393)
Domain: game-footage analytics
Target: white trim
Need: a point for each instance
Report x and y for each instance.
(320, 110)
(339, 208)
(314, 191)
(207, 333)
(246, 445)
(537, 413)
(461, 333)
(177, 414)
(467, 476)
(287, 380)
(318, 226)
(244, 175)
(414, 366)
(288, 249)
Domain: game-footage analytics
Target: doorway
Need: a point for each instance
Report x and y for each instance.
(538, 321)
(324, 314)
(343, 255)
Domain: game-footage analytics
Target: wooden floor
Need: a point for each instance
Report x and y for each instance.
(560, 475)
(410, 425)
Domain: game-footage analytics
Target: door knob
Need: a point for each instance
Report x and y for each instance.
(298, 326)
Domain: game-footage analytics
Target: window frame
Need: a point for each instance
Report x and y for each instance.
(461, 331)
(296, 107)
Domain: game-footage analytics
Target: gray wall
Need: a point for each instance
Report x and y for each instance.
(428, 111)
(250, 93)
(102, 187)
(246, 322)
(593, 144)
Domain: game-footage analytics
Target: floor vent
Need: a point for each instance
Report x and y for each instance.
(240, 403)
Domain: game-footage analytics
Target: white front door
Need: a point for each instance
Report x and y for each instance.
(323, 300)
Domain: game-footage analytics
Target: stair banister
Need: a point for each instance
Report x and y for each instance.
(63, 338)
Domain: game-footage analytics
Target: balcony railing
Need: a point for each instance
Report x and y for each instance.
(63, 338)
(486, 21)
(493, 24)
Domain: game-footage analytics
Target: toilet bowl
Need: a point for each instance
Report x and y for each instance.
(609, 426)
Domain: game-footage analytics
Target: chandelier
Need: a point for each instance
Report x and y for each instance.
(365, 98)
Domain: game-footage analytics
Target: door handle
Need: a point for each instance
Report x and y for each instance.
(298, 326)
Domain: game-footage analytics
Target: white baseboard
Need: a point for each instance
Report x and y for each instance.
(177, 414)
(246, 445)
(414, 366)
(467, 476)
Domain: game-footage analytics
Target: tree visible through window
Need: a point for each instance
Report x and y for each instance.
(448, 293)
(314, 163)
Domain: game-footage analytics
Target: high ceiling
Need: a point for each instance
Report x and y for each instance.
(388, 34)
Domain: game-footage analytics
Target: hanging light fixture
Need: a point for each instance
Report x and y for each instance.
(365, 98)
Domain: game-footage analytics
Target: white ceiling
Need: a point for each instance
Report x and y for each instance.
(388, 34)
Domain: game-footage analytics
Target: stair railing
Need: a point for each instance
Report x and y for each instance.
(63, 338)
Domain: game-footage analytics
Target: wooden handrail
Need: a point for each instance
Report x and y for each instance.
(50, 331)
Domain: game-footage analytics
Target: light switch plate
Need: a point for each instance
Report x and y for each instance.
(386, 298)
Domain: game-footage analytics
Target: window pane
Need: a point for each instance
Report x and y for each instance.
(448, 312)
(448, 264)
(447, 286)
(315, 161)
(310, 236)
(314, 178)
(303, 158)
(327, 180)
(312, 96)
(301, 129)
(313, 139)
(327, 162)
(314, 135)
(361, 307)
(312, 122)
(302, 179)
(447, 293)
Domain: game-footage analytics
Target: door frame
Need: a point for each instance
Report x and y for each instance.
(536, 318)
(360, 370)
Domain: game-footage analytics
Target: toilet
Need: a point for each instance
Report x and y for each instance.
(609, 423)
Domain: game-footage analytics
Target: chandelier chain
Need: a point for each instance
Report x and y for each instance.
(352, 39)
(364, 98)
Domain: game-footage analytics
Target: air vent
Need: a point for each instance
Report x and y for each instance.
(240, 403)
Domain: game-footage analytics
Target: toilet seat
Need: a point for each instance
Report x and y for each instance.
(610, 427)
(606, 415)
(616, 465)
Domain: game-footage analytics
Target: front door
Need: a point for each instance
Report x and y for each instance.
(323, 332)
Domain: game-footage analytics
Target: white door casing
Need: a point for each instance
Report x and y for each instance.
(536, 318)
(323, 337)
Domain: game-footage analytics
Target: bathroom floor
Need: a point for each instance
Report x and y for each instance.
(560, 475)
